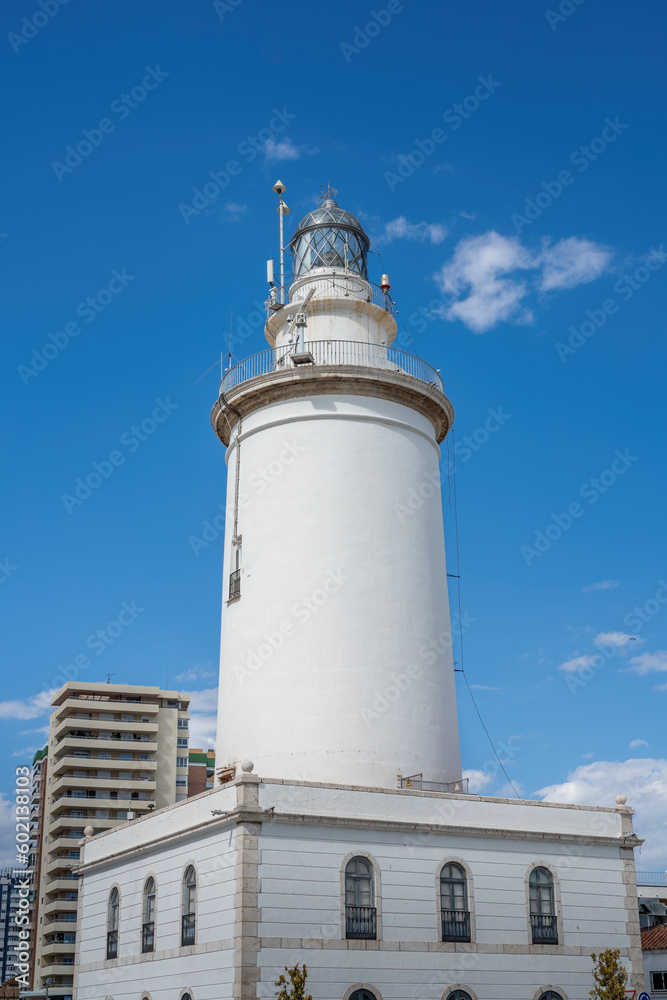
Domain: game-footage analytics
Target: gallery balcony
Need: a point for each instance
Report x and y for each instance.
(337, 353)
(307, 367)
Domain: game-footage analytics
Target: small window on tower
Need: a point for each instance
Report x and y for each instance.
(235, 575)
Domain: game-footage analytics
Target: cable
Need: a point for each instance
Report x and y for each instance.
(374, 249)
(462, 670)
(405, 329)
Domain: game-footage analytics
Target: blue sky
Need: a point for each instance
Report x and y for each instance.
(506, 163)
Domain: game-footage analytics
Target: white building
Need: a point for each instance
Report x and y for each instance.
(652, 890)
(340, 833)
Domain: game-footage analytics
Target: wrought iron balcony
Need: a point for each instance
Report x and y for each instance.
(544, 928)
(339, 353)
(234, 584)
(455, 925)
(112, 944)
(148, 936)
(361, 922)
(187, 929)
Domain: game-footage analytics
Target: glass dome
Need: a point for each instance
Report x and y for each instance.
(330, 237)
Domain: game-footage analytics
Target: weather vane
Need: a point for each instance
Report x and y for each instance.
(327, 192)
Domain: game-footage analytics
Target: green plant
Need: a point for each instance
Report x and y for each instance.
(609, 975)
(295, 988)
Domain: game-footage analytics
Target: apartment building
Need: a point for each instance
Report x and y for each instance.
(201, 772)
(115, 752)
(9, 940)
(37, 808)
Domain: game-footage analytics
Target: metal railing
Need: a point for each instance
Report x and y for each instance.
(361, 923)
(336, 284)
(455, 925)
(651, 878)
(544, 929)
(148, 936)
(112, 944)
(234, 584)
(348, 353)
(416, 782)
(187, 929)
(136, 738)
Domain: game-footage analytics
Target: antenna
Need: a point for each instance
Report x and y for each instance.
(283, 210)
(229, 365)
(109, 676)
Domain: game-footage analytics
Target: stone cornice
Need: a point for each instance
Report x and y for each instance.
(316, 380)
(255, 814)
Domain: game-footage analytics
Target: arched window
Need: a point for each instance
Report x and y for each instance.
(459, 995)
(360, 911)
(113, 916)
(189, 906)
(148, 920)
(543, 925)
(362, 995)
(454, 903)
(551, 995)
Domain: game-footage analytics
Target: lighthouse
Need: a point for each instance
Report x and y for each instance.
(336, 657)
(340, 835)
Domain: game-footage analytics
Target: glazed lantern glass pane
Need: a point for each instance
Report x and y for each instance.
(330, 237)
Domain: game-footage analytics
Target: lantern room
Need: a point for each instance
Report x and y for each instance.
(330, 237)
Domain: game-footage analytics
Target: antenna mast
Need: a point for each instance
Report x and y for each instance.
(283, 210)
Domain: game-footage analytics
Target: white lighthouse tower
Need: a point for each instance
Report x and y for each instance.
(339, 835)
(335, 595)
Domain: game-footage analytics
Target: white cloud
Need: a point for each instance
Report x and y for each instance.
(572, 262)
(642, 781)
(30, 708)
(633, 744)
(618, 639)
(479, 780)
(400, 228)
(27, 752)
(284, 149)
(649, 663)
(485, 687)
(508, 791)
(233, 211)
(198, 672)
(587, 756)
(203, 718)
(481, 264)
(487, 279)
(578, 663)
(601, 585)
(42, 730)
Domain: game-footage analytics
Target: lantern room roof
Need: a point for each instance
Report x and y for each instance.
(329, 214)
